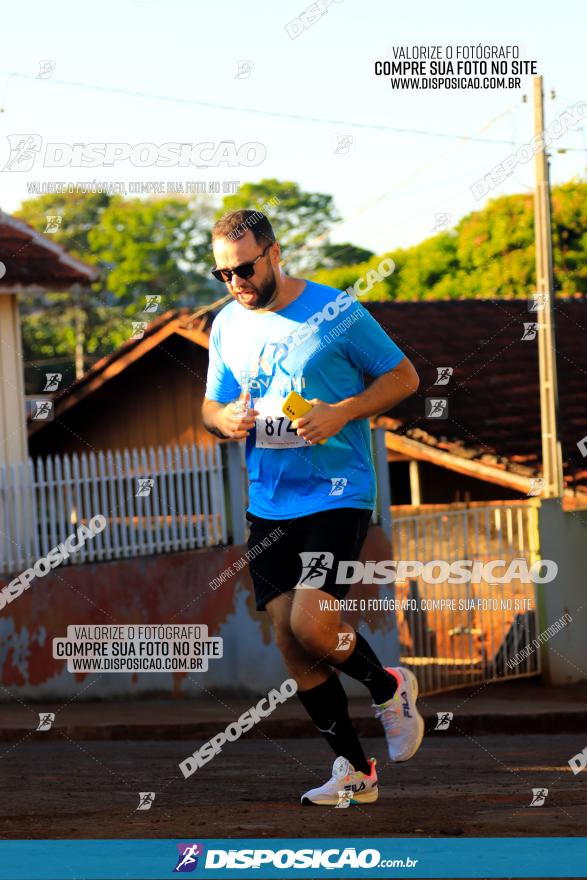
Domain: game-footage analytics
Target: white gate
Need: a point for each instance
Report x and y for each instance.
(475, 635)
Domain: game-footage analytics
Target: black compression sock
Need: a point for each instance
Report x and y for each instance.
(364, 666)
(327, 706)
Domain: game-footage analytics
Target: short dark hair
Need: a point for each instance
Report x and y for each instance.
(235, 224)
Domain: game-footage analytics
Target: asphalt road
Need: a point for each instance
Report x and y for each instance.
(465, 786)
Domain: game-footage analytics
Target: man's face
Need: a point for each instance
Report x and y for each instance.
(258, 290)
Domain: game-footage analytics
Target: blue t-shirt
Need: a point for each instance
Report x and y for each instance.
(321, 345)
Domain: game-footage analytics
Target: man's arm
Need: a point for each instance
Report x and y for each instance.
(389, 389)
(383, 394)
(226, 421)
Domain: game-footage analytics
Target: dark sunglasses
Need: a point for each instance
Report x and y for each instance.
(245, 270)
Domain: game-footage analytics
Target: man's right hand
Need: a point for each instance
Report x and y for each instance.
(235, 422)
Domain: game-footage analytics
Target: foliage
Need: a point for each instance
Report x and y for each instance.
(489, 254)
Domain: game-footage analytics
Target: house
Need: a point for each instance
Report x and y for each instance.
(147, 393)
(29, 263)
(487, 445)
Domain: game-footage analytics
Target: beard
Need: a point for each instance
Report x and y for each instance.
(264, 293)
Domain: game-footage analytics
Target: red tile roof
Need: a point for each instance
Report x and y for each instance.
(35, 260)
(493, 395)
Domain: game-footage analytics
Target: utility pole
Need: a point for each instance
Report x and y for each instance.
(552, 469)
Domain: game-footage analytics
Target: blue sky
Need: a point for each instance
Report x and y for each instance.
(391, 184)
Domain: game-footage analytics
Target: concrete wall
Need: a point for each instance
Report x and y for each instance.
(563, 537)
(171, 588)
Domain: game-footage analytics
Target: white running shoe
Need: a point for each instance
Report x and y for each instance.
(402, 723)
(345, 779)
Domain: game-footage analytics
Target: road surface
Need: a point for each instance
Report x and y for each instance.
(467, 786)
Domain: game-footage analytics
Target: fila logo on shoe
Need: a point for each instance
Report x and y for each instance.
(355, 788)
(405, 705)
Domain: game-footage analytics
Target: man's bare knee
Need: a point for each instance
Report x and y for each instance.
(313, 636)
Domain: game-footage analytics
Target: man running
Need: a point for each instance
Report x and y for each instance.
(283, 334)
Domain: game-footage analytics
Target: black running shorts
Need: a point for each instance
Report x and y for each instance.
(325, 538)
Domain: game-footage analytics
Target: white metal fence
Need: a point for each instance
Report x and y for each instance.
(448, 648)
(154, 500)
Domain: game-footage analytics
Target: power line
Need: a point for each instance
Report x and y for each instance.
(254, 110)
(435, 158)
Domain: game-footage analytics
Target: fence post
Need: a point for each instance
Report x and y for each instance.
(236, 491)
(382, 476)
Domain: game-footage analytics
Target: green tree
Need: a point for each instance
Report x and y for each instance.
(156, 246)
(79, 213)
(489, 254)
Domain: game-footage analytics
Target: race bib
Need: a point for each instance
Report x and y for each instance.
(273, 428)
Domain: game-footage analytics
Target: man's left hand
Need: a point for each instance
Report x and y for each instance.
(324, 421)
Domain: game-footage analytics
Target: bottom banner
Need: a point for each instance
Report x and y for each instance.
(293, 857)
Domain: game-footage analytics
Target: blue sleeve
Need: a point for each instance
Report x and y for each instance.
(221, 384)
(368, 346)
